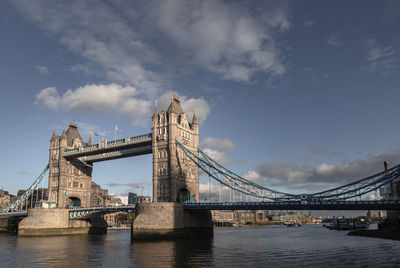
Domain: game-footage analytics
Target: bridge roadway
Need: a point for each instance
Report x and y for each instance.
(130, 146)
(84, 213)
(78, 213)
(297, 205)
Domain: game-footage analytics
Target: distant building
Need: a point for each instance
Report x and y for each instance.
(144, 199)
(38, 195)
(110, 219)
(114, 201)
(391, 191)
(98, 197)
(6, 198)
(370, 214)
(132, 198)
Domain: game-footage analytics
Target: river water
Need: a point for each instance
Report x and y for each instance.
(269, 246)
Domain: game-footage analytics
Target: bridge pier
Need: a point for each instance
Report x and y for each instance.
(165, 220)
(3, 224)
(41, 222)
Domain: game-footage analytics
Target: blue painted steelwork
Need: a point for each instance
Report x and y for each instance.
(232, 180)
(21, 199)
(79, 213)
(346, 192)
(297, 205)
(85, 213)
(22, 213)
(130, 145)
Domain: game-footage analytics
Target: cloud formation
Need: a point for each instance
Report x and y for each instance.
(218, 156)
(218, 143)
(233, 40)
(252, 176)
(214, 191)
(333, 40)
(306, 175)
(42, 69)
(109, 99)
(384, 59)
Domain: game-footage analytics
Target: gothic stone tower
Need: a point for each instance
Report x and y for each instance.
(175, 176)
(69, 180)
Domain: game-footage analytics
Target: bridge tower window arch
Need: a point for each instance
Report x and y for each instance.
(75, 202)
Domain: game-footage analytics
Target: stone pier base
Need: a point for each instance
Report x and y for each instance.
(165, 220)
(41, 222)
(3, 224)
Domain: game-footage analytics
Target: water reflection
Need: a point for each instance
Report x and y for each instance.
(174, 253)
(307, 246)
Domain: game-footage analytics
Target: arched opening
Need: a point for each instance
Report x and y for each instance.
(184, 196)
(75, 202)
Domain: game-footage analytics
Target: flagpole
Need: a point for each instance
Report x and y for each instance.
(115, 133)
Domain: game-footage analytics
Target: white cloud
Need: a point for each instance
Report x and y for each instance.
(200, 105)
(42, 69)
(86, 129)
(49, 98)
(226, 39)
(252, 176)
(333, 40)
(235, 41)
(308, 23)
(217, 143)
(307, 175)
(381, 58)
(219, 157)
(101, 35)
(107, 99)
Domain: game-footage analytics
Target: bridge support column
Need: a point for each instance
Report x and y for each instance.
(41, 222)
(164, 220)
(3, 224)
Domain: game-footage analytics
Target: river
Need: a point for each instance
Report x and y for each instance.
(269, 246)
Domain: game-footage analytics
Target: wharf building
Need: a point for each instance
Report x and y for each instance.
(6, 198)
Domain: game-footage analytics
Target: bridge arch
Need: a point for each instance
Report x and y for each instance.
(75, 202)
(184, 196)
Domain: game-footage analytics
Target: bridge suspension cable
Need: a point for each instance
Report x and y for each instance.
(361, 187)
(22, 198)
(349, 191)
(232, 180)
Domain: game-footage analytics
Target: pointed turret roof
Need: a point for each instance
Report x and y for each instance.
(155, 109)
(54, 134)
(175, 106)
(64, 134)
(194, 119)
(72, 133)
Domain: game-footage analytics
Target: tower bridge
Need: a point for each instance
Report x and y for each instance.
(173, 143)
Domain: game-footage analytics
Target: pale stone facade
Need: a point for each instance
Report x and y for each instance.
(69, 181)
(6, 198)
(175, 176)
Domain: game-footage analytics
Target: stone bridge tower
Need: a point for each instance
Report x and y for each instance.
(175, 176)
(69, 180)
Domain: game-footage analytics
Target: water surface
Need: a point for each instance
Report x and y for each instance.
(270, 246)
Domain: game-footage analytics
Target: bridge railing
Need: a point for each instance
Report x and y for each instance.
(109, 144)
(21, 199)
(82, 213)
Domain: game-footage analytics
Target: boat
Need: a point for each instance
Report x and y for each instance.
(292, 224)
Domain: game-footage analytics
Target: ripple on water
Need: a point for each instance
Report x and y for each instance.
(307, 246)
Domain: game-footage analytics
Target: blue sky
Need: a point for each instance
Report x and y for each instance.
(297, 96)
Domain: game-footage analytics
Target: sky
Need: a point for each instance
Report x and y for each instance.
(298, 96)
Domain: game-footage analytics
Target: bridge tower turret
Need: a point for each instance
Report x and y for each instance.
(69, 180)
(175, 177)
